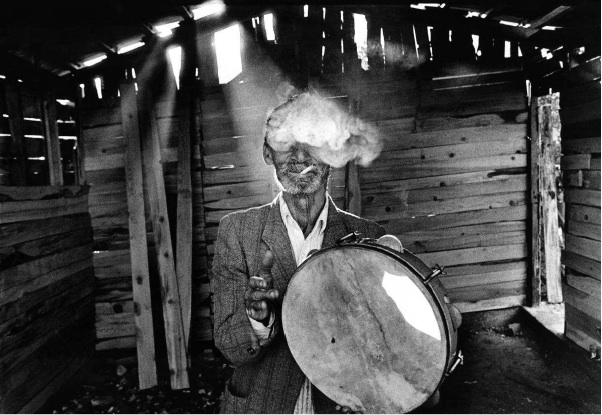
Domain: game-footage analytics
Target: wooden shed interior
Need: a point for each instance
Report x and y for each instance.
(129, 129)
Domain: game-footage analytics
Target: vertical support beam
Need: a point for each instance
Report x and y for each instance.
(408, 40)
(170, 297)
(80, 167)
(549, 131)
(535, 219)
(145, 340)
(18, 167)
(184, 207)
(51, 132)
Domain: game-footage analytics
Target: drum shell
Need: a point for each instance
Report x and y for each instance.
(420, 272)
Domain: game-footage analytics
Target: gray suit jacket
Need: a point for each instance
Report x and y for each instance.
(266, 378)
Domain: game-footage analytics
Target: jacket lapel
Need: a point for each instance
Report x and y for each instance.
(335, 226)
(275, 236)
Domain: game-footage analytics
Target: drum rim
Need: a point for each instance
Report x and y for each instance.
(398, 255)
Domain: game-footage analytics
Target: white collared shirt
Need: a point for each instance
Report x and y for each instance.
(302, 246)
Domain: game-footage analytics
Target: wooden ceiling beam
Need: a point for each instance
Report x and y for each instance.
(541, 21)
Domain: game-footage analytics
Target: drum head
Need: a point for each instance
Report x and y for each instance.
(365, 330)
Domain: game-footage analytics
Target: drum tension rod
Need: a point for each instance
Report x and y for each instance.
(436, 272)
(352, 237)
(459, 361)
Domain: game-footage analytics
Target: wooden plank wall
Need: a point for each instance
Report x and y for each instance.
(452, 181)
(47, 284)
(580, 164)
(104, 161)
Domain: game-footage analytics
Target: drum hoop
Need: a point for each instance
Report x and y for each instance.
(392, 253)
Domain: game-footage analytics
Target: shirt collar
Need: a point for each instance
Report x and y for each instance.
(286, 215)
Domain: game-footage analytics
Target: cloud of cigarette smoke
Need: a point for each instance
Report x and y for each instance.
(330, 134)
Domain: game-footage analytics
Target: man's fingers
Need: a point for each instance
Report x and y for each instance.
(264, 295)
(266, 264)
(257, 283)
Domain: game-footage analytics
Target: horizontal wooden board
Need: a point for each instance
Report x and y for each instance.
(581, 213)
(115, 325)
(586, 197)
(488, 291)
(581, 145)
(405, 185)
(492, 304)
(587, 230)
(449, 123)
(30, 271)
(40, 209)
(475, 255)
(583, 340)
(581, 264)
(591, 179)
(583, 283)
(16, 193)
(112, 264)
(577, 319)
(53, 296)
(583, 246)
(19, 232)
(400, 140)
(237, 175)
(227, 191)
(440, 193)
(251, 144)
(125, 342)
(586, 92)
(587, 304)
(15, 293)
(455, 151)
(580, 112)
(467, 241)
(50, 244)
(514, 271)
(573, 178)
(400, 226)
(440, 207)
(575, 162)
(241, 202)
(441, 167)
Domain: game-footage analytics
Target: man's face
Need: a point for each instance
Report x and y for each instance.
(291, 164)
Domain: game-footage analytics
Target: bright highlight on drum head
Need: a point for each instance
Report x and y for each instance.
(365, 330)
(412, 304)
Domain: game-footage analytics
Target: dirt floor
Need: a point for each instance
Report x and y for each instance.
(510, 366)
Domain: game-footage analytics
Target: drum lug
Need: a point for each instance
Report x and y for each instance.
(352, 237)
(459, 360)
(435, 272)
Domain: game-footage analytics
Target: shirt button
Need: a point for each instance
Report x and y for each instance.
(251, 351)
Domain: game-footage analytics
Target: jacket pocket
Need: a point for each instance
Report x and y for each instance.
(241, 381)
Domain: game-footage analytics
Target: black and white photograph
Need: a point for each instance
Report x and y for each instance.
(292, 207)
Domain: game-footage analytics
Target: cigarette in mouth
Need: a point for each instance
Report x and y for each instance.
(307, 170)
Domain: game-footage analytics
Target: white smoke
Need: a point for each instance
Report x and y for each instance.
(329, 133)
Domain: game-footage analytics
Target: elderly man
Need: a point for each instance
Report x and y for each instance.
(258, 251)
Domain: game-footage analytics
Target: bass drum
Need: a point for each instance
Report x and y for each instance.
(370, 327)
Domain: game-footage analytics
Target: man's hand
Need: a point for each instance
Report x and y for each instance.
(260, 295)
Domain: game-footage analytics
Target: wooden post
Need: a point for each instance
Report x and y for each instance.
(170, 296)
(184, 207)
(51, 132)
(549, 132)
(535, 219)
(80, 172)
(145, 340)
(18, 168)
